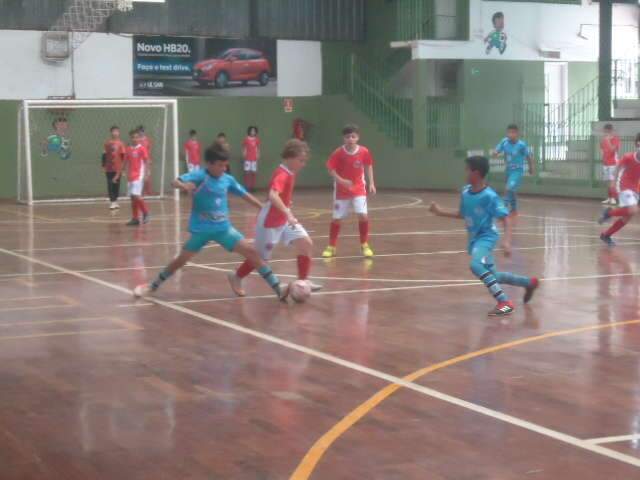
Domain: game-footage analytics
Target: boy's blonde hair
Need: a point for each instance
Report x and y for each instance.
(295, 148)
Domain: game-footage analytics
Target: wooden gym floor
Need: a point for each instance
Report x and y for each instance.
(392, 372)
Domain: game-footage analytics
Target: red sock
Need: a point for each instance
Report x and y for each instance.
(619, 212)
(304, 265)
(364, 231)
(334, 231)
(616, 226)
(613, 192)
(247, 180)
(245, 269)
(135, 212)
(143, 206)
(253, 181)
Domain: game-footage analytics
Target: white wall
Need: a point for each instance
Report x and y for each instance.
(102, 68)
(532, 27)
(299, 68)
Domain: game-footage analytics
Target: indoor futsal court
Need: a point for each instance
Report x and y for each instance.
(319, 240)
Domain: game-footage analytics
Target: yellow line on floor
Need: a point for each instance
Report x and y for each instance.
(310, 461)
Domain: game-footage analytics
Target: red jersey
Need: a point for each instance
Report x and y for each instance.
(282, 181)
(114, 155)
(192, 150)
(136, 157)
(350, 166)
(148, 145)
(251, 146)
(629, 177)
(609, 148)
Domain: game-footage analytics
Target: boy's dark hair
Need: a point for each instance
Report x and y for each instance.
(478, 164)
(608, 126)
(251, 128)
(350, 128)
(192, 133)
(58, 120)
(217, 152)
(114, 127)
(134, 131)
(496, 16)
(221, 135)
(513, 126)
(140, 128)
(638, 139)
(294, 148)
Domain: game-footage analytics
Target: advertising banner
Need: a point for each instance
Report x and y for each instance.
(186, 66)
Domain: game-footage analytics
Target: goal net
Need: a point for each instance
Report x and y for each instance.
(61, 143)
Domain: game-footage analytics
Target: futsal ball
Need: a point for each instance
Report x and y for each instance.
(300, 291)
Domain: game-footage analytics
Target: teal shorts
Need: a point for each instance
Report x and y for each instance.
(228, 239)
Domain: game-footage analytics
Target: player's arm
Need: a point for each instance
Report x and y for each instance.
(342, 181)
(507, 225)
(372, 183)
(531, 161)
(498, 151)
(183, 185)
(438, 211)
(276, 201)
(251, 200)
(123, 168)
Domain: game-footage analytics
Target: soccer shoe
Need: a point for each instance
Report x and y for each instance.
(284, 292)
(606, 201)
(145, 218)
(607, 240)
(366, 250)
(605, 216)
(314, 286)
(134, 222)
(113, 206)
(329, 252)
(116, 206)
(530, 290)
(235, 282)
(142, 290)
(613, 201)
(502, 309)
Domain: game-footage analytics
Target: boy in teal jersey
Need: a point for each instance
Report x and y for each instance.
(515, 152)
(480, 205)
(209, 221)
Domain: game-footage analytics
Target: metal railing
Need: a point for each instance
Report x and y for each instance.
(625, 82)
(444, 123)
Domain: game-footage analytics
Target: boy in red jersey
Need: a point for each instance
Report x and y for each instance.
(276, 223)
(251, 153)
(628, 175)
(192, 152)
(114, 150)
(610, 146)
(136, 164)
(146, 142)
(347, 166)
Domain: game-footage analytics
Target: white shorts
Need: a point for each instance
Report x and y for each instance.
(627, 198)
(609, 173)
(192, 168)
(250, 166)
(268, 238)
(342, 208)
(135, 188)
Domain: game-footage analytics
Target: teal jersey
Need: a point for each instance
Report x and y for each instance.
(210, 210)
(479, 210)
(515, 154)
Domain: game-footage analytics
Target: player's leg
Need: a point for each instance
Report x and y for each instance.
(265, 241)
(482, 267)
(298, 237)
(628, 201)
(144, 209)
(244, 248)
(341, 209)
(608, 174)
(196, 242)
(247, 174)
(360, 207)
(135, 188)
(110, 188)
(514, 180)
(116, 192)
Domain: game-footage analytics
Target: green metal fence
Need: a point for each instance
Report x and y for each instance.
(625, 82)
(444, 121)
(421, 20)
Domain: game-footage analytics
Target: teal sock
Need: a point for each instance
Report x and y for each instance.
(270, 277)
(162, 276)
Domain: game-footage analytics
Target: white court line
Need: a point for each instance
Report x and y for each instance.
(458, 283)
(11, 276)
(479, 409)
(621, 438)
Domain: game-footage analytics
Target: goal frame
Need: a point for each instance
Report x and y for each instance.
(24, 141)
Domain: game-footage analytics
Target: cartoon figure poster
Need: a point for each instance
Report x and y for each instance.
(497, 38)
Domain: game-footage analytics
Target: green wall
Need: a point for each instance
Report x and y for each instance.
(8, 153)
(491, 89)
(581, 74)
